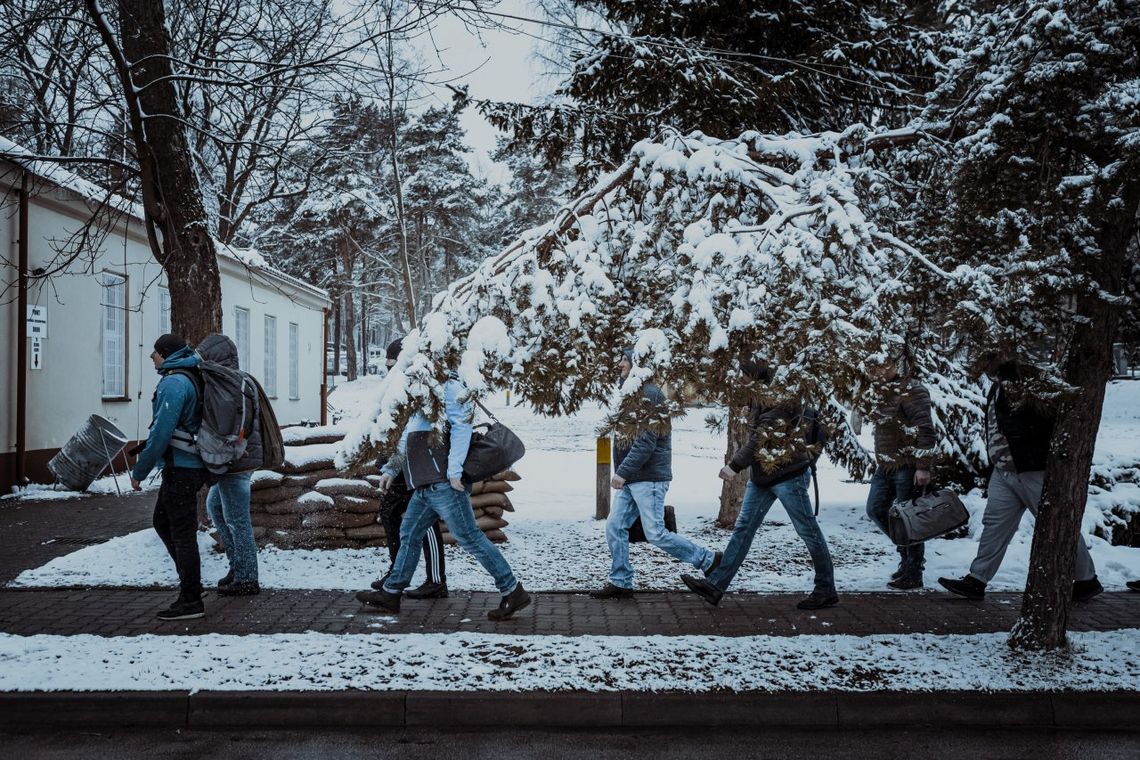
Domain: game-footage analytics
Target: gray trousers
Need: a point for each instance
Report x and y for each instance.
(1010, 494)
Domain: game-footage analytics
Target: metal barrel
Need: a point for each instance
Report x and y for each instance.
(87, 453)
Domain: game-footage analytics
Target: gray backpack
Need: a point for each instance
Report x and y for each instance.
(227, 408)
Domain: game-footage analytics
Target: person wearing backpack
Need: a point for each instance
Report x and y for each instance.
(778, 472)
(228, 499)
(434, 470)
(176, 412)
(642, 474)
(904, 449)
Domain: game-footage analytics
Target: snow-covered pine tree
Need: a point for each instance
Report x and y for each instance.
(694, 251)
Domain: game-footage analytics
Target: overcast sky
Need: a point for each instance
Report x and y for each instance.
(496, 65)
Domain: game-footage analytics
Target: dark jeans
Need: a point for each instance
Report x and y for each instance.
(176, 522)
(886, 489)
(392, 509)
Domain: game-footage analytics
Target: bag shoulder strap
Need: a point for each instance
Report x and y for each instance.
(486, 411)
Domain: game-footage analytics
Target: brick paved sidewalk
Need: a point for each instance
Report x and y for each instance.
(128, 612)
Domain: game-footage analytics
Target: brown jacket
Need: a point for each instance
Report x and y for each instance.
(904, 430)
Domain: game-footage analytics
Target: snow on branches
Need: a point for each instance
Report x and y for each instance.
(695, 252)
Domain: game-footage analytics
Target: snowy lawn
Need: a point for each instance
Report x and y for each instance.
(556, 544)
(485, 662)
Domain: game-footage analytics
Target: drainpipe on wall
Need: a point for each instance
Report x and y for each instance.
(19, 476)
(325, 372)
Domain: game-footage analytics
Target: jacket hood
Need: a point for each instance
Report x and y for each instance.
(180, 359)
(219, 349)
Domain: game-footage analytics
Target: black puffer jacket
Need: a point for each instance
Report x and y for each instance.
(221, 350)
(1027, 427)
(777, 447)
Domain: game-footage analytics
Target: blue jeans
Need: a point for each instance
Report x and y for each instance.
(793, 494)
(441, 501)
(886, 489)
(228, 506)
(647, 500)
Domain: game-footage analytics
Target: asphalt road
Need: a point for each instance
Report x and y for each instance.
(595, 745)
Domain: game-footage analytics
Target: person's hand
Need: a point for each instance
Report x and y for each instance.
(727, 473)
(385, 482)
(922, 477)
(135, 484)
(456, 483)
(617, 482)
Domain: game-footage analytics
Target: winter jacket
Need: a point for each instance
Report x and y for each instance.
(904, 429)
(776, 449)
(1027, 428)
(648, 457)
(221, 350)
(427, 457)
(174, 405)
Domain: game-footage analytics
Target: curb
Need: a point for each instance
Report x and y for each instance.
(206, 710)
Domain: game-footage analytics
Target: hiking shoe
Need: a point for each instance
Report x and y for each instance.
(817, 600)
(969, 587)
(610, 591)
(240, 588)
(381, 599)
(512, 603)
(899, 572)
(703, 589)
(181, 610)
(1134, 585)
(428, 590)
(906, 581)
(1085, 590)
(226, 579)
(717, 557)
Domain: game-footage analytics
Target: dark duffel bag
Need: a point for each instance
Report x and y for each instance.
(928, 516)
(493, 449)
(637, 533)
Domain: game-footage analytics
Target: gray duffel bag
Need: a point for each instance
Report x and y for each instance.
(928, 516)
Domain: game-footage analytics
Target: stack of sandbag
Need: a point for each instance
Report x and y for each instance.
(309, 504)
(489, 500)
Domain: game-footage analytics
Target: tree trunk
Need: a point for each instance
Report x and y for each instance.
(732, 491)
(172, 196)
(365, 345)
(349, 312)
(336, 335)
(1088, 368)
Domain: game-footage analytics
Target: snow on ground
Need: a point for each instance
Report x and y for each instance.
(556, 544)
(495, 662)
(101, 487)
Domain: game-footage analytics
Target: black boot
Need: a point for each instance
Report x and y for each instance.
(381, 599)
(226, 579)
(240, 588)
(512, 603)
(610, 591)
(717, 557)
(1085, 590)
(428, 590)
(379, 584)
(969, 587)
(703, 589)
(817, 600)
(1133, 585)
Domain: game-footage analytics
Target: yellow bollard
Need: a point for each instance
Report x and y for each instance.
(602, 507)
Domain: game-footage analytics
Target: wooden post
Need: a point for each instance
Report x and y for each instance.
(602, 508)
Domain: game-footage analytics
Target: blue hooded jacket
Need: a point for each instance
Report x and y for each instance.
(173, 406)
(649, 456)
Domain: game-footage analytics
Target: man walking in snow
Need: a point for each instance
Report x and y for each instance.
(904, 447)
(170, 445)
(779, 471)
(642, 475)
(1019, 430)
(393, 506)
(435, 471)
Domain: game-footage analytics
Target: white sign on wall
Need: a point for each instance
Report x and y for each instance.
(37, 321)
(37, 357)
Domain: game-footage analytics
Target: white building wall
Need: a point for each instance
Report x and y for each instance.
(68, 388)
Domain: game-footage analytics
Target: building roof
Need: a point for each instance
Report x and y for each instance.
(56, 174)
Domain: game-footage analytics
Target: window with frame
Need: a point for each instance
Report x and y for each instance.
(163, 311)
(270, 376)
(294, 361)
(241, 336)
(114, 334)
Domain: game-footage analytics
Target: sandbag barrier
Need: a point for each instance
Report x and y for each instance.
(309, 504)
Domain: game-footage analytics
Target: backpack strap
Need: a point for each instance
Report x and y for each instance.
(183, 439)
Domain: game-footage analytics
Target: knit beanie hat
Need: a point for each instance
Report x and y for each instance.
(394, 349)
(168, 344)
